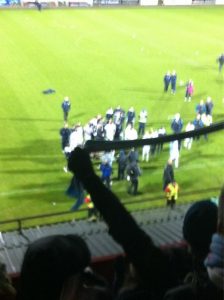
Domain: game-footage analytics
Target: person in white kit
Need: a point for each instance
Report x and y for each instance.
(130, 133)
(146, 148)
(174, 153)
(142, 121)
(110, 130)
(76, 137)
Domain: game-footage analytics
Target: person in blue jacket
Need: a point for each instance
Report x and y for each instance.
(166, 81)
(201, 108)
(177, 126)
(66, 106)
(173, 81)
(106, 171)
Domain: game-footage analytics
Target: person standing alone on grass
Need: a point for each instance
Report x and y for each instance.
(66, 106)
(220, 61)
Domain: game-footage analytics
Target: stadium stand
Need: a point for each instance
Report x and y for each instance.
(44, 3)
(164, 225)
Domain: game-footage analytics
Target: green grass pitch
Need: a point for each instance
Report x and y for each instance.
(102, 58)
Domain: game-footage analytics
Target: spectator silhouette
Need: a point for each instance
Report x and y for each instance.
(199, 225)
(48, 263)
(215, 259)
(7, 291)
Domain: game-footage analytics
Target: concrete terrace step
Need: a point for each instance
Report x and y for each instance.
(162, 224)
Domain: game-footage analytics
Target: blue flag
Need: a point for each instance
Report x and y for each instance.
(76, 190)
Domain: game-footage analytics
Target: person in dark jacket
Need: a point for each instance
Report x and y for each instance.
(130, 116)
(122, 164)
(132, 155)
(198, 124)
(201, 108)
(209, 108)
(65, 134)
(166, 81)
(177, 126)
(66, 106)
(168, 174)
(173, 81)
(220, 61)
(133, 172)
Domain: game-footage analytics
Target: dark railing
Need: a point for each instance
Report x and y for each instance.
(20, 221)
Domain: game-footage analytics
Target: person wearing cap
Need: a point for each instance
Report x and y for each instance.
(66, 106)
(155, 270)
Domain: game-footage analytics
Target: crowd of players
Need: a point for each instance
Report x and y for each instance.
(116, 124)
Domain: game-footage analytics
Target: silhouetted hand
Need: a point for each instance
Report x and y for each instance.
(80, 164)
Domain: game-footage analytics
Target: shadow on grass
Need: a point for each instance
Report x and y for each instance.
(30, 171)
(45, 152)
(140, 90)
(29, 119)
(204, 67)
(220, 80)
